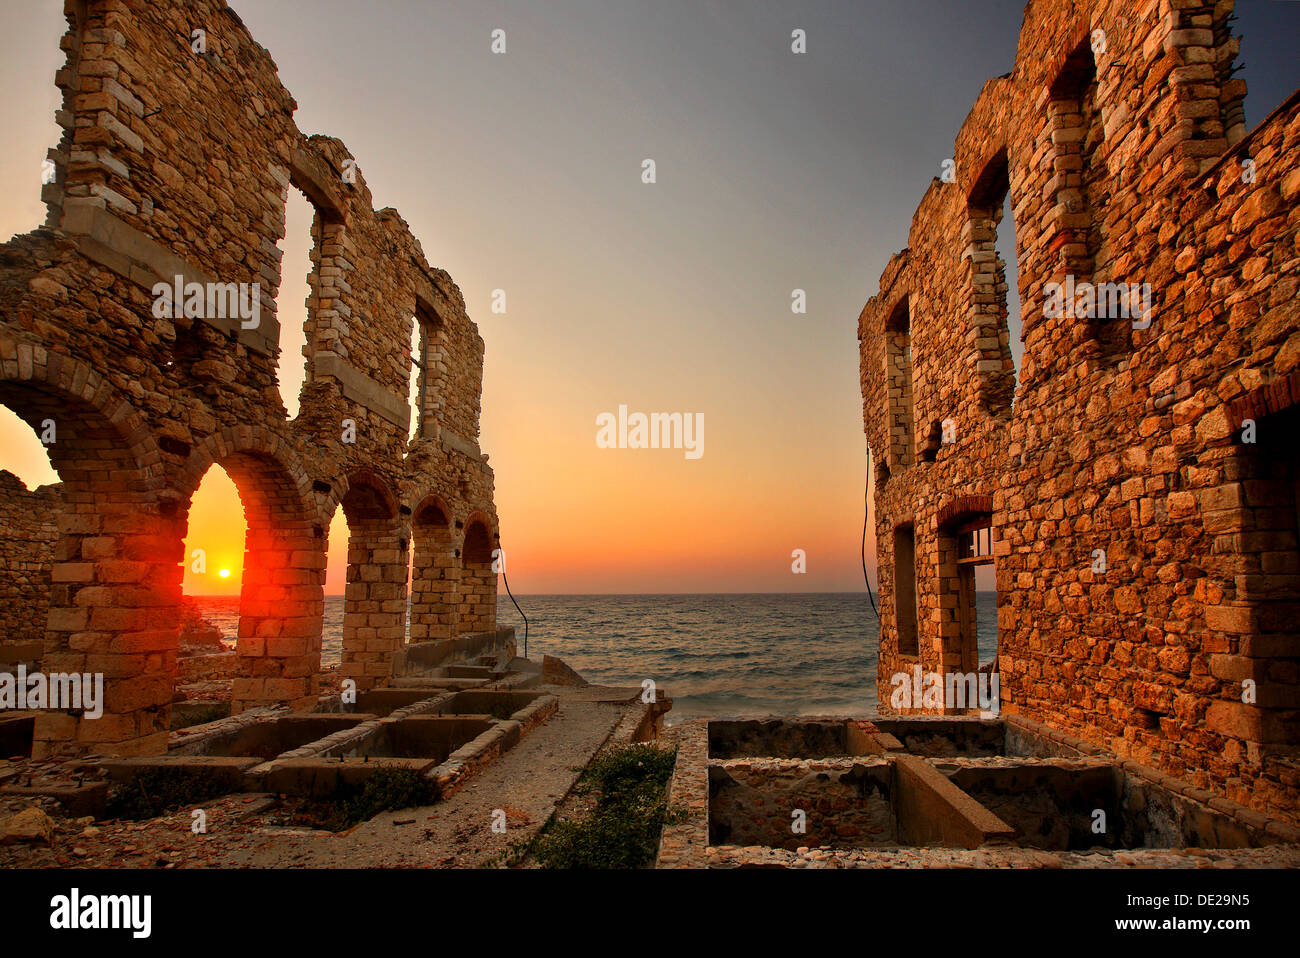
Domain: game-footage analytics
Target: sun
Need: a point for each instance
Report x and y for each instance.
(224, 573)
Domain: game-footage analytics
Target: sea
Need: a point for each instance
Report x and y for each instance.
(725, 654)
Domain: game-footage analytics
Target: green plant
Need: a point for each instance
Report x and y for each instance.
(629, 785)
(199, 715)
(384, 790)
(156, 791)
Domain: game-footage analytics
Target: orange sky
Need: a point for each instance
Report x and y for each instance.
(522, 172)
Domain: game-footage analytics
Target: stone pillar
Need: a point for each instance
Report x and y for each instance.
(281, 613)
(374, 617)
(113, 614)
(434, 583)
(478, 583)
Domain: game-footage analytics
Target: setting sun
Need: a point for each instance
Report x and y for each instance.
(224, 573)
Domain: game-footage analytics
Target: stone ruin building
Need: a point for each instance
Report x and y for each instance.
(1131, 483)
(1135, 483)
(176, 161)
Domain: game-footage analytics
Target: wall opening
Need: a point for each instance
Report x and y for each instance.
(278, 577)
(968, 626)
(1269, 582)
(898, 380)
(994, 324)
(294, 299)
(435, 574)
(30, 500)
(374, 608)
(905, 622)
(1083, 194)
(336, 586)
(478, 592)
(419, 343)
(428, 371)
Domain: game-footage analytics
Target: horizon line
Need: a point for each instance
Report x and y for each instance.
(583, 595)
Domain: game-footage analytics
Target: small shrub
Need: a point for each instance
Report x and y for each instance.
(384, 790)
(198, 715)
(157, 791)
(630, 785)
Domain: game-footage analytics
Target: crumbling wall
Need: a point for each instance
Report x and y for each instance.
(26, 557)
(1144, 536)
(178, 152)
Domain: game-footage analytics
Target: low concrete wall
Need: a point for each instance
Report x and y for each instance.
(933, 811)
(424, 656)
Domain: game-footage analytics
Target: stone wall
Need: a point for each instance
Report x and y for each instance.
(178, 151)
(1138, 473)
(26, 556)
(763, 803)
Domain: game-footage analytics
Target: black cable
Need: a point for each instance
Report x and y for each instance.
(517, 609)
(866, 512)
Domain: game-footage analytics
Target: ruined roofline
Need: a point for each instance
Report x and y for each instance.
(1028, 88)
(1242, 147)
(886, 296)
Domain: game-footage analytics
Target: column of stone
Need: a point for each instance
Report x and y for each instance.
(478, 595)
(281, 613)
(115, 589)
(375, 602)
(433, 585)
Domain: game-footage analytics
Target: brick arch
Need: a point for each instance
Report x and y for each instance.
(282, 597)
(365, 495)
(1266, 400)
(420, 515)
(261, 452)
(435, 571)
(114, 582)
(37, 387)
(479, 518)
(478, 583)
(375, 600)
(962, 507)
(900, 309)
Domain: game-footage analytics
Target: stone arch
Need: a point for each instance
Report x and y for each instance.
(374, 607)
(114, 584)
(255, 443)
(281, 607)
(435, 574)
(28, 373)
(478, 584)
(961, 507)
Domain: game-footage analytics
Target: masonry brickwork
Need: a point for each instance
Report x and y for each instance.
(178, 151)
(26, 557)
(1138, 474)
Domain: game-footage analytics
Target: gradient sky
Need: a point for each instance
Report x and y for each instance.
(523, 172)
